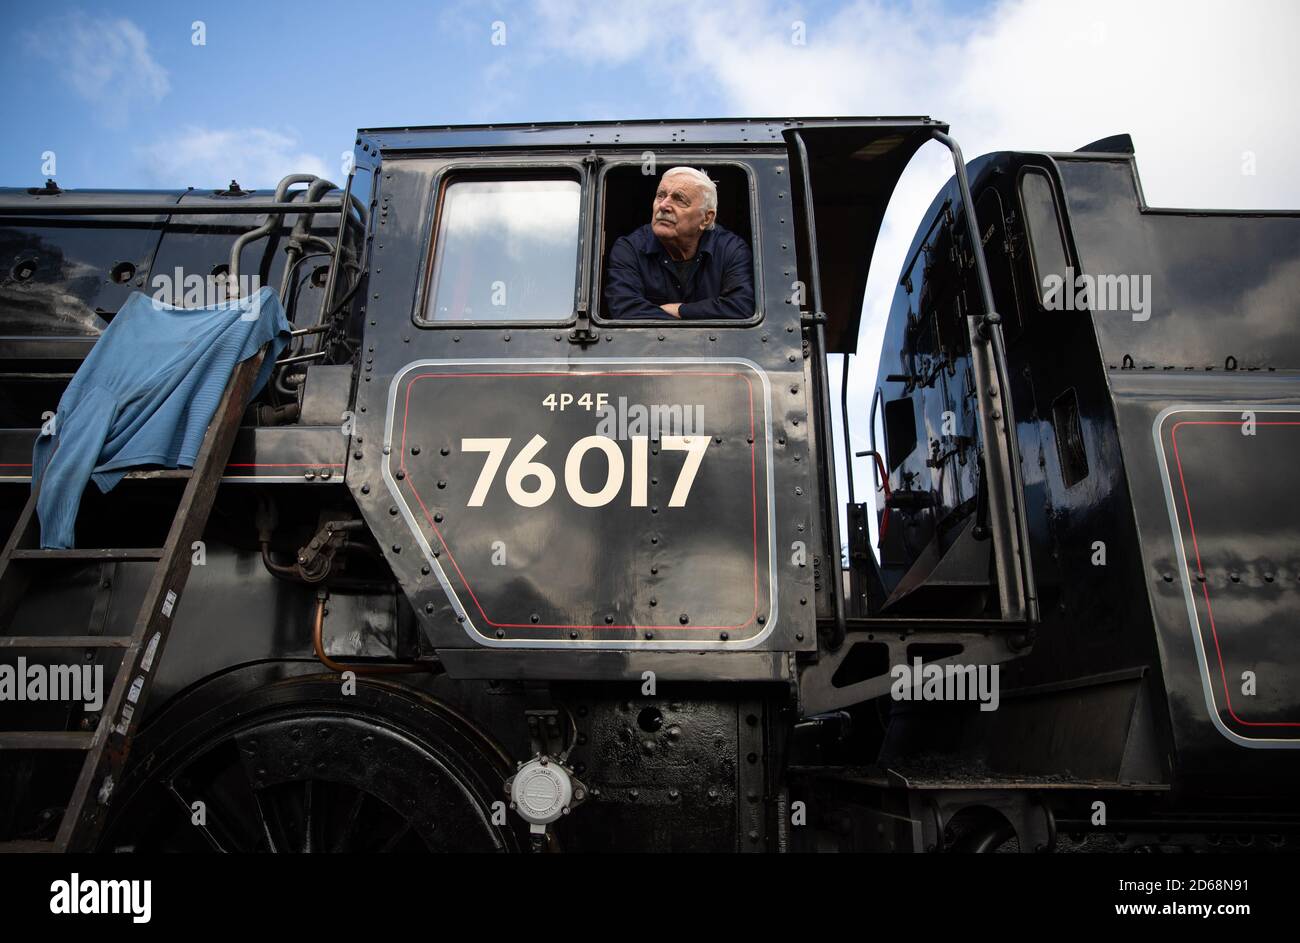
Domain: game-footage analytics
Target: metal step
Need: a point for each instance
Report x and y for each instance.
(114, 554)
(178, 474)
(64, 641)
(27, 847)
(45, 739)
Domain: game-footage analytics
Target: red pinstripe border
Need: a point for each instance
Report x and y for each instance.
(408, 479)
(1205, 584)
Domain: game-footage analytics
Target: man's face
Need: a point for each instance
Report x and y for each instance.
(679, 212)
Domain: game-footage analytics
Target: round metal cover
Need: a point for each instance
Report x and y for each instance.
(541, 791)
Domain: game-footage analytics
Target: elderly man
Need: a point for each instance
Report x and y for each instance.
(681, 264)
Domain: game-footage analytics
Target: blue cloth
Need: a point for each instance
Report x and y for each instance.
(145, 395)
(641, 279)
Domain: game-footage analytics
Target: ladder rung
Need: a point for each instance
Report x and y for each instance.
(168, 473)
(117, 554)
(45, 739)
(64, 641)
(27, 847)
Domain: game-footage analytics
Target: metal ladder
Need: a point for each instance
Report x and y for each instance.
(107, 745)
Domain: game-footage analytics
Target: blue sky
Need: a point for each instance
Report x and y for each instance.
(107, 87)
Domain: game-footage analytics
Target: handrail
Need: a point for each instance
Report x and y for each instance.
(997, 424)
(164, 209)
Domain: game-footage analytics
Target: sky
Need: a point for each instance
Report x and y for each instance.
(197, 92)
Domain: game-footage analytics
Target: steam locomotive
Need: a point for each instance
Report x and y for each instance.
(423, 615)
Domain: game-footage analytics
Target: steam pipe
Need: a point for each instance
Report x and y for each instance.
(281, 193)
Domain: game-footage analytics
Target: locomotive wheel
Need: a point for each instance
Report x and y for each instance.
(297, 766)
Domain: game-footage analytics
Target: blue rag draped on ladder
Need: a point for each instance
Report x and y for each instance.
(145, 396)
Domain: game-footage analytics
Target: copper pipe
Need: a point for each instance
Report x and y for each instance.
(317, 633)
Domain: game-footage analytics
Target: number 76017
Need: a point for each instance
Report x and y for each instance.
(526, 466)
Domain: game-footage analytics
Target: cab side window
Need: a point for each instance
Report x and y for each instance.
(504, 250)
(627, 205)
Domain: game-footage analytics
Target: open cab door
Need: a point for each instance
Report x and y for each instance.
(843, 174)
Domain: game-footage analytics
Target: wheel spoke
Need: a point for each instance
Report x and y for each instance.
(307, 822)
(397, 836)
(265, 812)
(188, 812)
(350, 823)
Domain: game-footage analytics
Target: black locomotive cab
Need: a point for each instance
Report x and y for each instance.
(493, 531)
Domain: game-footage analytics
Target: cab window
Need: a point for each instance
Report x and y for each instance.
(628, 195)
(504, 250)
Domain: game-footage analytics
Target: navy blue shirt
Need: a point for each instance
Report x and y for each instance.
(641, 278)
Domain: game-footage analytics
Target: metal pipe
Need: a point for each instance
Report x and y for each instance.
(162, 209)
(827, 435)
(299, 234)
(844, 425)
(301, 358)
(271, 221)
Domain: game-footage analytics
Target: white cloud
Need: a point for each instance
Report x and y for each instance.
(105, 60)
(211, 157)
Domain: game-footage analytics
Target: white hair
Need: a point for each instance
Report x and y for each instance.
(708, 186)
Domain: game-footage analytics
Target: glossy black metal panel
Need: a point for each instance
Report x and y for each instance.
(1234, 487)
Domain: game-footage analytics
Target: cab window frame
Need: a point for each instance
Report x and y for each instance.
(549, 168)
(1036, 241)
(665, 161)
